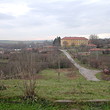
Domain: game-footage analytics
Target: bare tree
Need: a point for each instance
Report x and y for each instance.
(93, 39)
(26, 68)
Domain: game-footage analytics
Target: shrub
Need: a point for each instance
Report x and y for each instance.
(105, 77)
(2, 87)
(65, 63)
(29, 89)
(78, 57)
(106, 71)
(84, 60)
(95, 63)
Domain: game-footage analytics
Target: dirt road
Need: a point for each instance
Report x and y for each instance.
(87, 73)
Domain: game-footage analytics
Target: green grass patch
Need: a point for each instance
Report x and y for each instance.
(95, 106)
(99, 76)
(40, 106)
(31, 106)
(51, 88)
(74, 89)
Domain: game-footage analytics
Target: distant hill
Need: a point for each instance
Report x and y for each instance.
(15, 42)
(8, 41)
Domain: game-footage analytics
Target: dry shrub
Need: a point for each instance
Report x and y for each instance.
(106, 71)
(25, 66)
(78, 57)
(29, 89)
(95, 63)
(65, 63)
(102, 62)
(105, 77)
(84, 60)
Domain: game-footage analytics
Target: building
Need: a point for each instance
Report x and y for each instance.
(1, 52)
(73, 41)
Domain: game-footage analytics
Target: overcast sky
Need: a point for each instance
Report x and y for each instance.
(46, 19)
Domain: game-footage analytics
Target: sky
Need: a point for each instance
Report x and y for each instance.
(47, 19)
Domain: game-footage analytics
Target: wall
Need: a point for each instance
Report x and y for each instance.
(76, 42)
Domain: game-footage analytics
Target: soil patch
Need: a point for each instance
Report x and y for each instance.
(38, 76)
(72, 75)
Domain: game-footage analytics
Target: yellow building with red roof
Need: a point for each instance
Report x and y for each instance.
(73, 41)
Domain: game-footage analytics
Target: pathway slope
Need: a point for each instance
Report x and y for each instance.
(87, 73)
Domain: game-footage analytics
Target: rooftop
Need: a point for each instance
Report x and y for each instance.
(92, 45)
(98, 49)
(74, 38)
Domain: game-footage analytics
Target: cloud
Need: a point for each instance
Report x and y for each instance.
(5, 16)
(74, 13)
(54, 17)
(14, 9)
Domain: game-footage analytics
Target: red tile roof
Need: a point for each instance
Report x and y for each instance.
(29, 49)
(91, 45)
(98, 49)
(49, 47)
(74, 38)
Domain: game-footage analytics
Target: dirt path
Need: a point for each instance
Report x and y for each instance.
(87, 73)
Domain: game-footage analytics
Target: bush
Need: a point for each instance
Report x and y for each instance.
(84, 60)
(65, 63)
(106, 71)
(78, 57)
(95, 63)
(106, 52)
(105, 76)
(2, 87)
(29, 89)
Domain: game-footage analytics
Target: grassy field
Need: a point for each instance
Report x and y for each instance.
(49, 106)
(24, 106)
(76, 88)
(3, 61)
(71, 85)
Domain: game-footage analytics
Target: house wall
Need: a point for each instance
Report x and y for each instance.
(76, 42)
